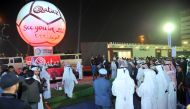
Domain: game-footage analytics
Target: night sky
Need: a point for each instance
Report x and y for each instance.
(102, 20)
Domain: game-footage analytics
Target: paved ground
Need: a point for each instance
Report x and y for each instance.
(90, 103)
(83, 105)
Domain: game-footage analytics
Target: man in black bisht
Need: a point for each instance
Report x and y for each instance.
(31, 90)
(180, 85)
(9, 83)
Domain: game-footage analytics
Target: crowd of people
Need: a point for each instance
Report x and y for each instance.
(27, 90)
(30, 87)
(160, 83)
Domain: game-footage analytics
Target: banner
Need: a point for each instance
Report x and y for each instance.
(49, 61)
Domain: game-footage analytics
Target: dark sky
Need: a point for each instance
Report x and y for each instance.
(102, 20)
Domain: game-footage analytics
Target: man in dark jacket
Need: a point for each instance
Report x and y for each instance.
(180, 85)
(11, 69)
(23, 73)
(102, 90)
(187, 83)
(9, 83)
(31, 90)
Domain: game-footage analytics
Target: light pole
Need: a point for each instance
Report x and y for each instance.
(169, 27)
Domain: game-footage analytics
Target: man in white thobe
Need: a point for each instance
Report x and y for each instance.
(172, 98)
(171, 73)
(36, 71)
(79, 70)
(123, 88)
(140, 76)
(147, 90)
(69, 81)
(44, 74)
(140, 73)
(155, 99)
(113, 68)
(162, 88)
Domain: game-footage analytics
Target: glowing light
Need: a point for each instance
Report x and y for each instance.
(137, 47)
(41, 23)
(185, 42)
(141, 39)
(169, 27)
(122, 46)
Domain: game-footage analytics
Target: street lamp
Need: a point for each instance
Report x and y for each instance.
(169, 27)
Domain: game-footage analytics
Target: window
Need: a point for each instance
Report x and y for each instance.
(11, 60)
(68, 57)
(18, 60)
(80, 56)
(4, 61)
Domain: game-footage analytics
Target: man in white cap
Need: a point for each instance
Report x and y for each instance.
(36, 71)
(69, 80)
(9, 83)
(46, 77)
(123, 88)
(102, 90)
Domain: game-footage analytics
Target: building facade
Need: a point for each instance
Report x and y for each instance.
(185, 28)
(129, 50)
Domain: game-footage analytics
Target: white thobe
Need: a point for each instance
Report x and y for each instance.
(123, 89)
(140, 75)
(68, 81)
(162, 88)
(113, 70)
(79, 70)
(146, 99)
(172, 99)
(147, 91)
(44, 74)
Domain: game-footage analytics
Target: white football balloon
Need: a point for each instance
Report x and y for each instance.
(41, 23)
